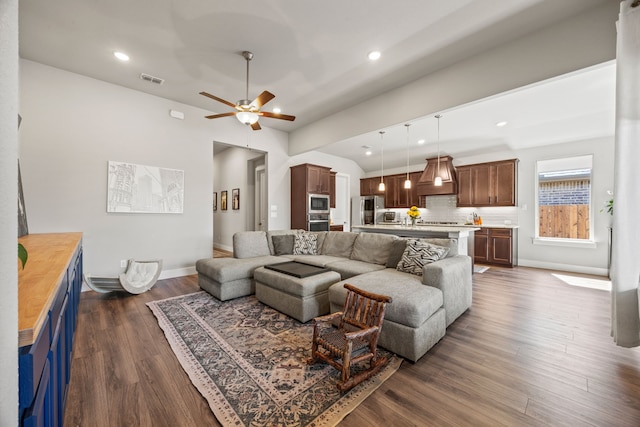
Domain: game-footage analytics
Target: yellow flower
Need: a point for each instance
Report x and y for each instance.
(413, 212)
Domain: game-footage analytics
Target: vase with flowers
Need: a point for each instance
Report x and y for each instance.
(413, 213)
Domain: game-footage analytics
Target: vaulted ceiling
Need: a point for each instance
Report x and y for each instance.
(313, 57)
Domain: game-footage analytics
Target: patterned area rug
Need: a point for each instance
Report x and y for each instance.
(248, 361)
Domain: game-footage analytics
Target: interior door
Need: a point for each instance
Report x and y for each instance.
(261, 199)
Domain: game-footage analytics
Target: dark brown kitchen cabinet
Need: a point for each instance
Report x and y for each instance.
(487, 184)
(369, 187)
(395, 195)
(317, 178)
(332, 189)
(494, 246)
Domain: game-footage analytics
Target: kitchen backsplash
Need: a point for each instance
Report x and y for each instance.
(443, 208)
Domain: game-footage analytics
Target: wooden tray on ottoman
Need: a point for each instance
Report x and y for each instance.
(296, 269)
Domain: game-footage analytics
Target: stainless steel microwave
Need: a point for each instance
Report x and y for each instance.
(318, 203)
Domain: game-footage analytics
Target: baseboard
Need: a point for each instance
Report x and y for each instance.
(563, 267)
(177, 272)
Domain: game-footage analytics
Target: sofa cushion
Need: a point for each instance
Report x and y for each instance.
(272, 233)
(224, 270)
(373, 247)
(305, 244)
(452, 244)
(350, 267)
(283, 244)
(338, 243)
(417, 254)
(317, 260)
(395, 254)
(412, 302)
(250, 244)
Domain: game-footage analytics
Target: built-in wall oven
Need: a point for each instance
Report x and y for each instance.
(318, 212)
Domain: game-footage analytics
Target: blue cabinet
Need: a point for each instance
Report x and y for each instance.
(45, 365)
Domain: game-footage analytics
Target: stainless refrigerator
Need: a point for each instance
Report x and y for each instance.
(367, 210)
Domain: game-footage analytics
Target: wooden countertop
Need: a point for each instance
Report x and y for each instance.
(49, 257)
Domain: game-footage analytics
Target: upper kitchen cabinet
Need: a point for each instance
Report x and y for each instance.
(317, 178)
(395, 195)
(487, 184)
(332, 190)
(369, 186)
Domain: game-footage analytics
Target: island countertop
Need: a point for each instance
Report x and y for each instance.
(418, 229)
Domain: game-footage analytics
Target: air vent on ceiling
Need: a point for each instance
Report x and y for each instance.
(151, 79)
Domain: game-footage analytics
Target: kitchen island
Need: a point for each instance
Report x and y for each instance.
(464, 234)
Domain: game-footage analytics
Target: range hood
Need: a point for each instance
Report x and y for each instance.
(449, 185)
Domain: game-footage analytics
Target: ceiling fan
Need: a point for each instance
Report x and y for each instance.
(248, 112)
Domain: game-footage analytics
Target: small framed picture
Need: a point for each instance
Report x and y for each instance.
(223, 200)
(215, 201)
(235, 199)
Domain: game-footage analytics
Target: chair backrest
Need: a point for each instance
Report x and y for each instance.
(363, 309)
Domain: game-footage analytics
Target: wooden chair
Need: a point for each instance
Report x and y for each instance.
(346, 338)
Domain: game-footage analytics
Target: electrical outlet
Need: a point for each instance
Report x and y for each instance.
(123, 263)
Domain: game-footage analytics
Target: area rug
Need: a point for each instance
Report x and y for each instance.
(248, 361)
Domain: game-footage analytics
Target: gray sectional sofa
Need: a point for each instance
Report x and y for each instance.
(422, 307)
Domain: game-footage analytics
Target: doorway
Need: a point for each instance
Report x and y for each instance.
(241, 172)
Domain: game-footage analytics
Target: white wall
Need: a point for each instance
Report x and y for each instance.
(8, 211)
(73, 125)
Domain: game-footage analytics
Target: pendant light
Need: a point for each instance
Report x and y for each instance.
(381, 186)
(438, 179)
(407, 182)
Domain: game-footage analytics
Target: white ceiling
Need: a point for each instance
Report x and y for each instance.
(313, 57)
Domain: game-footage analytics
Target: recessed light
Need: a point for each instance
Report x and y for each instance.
(500, 124)
(368, 153)
(276, 110)
(121, 56)
(421, 141)
(374, 55)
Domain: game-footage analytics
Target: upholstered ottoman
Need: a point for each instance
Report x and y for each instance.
(413, 322)
(301, 298)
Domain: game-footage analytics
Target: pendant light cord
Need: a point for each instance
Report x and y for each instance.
(438, 169)
(407, 125)
(381, 156)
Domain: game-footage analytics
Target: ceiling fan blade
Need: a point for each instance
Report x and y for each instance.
(217, 116)
(263, 98)
(256, 126)
(277, 116)
(208, 95)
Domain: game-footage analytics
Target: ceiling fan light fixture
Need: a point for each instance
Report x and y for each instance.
(247, 117)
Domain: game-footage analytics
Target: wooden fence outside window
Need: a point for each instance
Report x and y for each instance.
(564, 221)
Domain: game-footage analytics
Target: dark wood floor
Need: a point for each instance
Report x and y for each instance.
(532, 350)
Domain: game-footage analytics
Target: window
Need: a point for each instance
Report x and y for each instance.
(563, 200)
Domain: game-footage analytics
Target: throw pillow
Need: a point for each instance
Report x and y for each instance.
(305, 244)
(417, 254)
(283, 244)
(397, 249)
